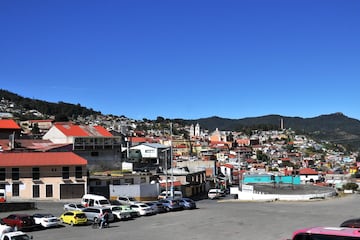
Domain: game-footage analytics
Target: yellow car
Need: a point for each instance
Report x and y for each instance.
(73, 218)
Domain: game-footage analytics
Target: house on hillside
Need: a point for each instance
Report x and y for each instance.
(43, 175)
(94, 143)
(153, 156)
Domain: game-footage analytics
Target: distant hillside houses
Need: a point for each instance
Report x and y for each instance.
(198, 160)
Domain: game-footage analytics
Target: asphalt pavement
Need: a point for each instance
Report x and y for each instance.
(226, 219)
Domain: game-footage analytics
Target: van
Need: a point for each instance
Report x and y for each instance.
(90, 200)
(164, 195)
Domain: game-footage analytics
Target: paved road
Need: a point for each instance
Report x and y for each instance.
(212, 220)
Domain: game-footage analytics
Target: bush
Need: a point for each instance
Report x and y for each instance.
(350, 186)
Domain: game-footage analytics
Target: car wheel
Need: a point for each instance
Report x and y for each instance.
(72, 223)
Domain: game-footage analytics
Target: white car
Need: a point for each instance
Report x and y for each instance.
(119, 213)
(5, 229)
(215, 193)
(127, 200)
(15, 236)
(142, 209)
(73, 207)
(46, 220)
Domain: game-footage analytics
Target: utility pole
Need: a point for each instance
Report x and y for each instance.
(171, 163)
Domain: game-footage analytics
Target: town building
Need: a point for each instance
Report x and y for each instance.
(43, 175)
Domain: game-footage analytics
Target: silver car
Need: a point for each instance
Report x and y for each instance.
(95, 213)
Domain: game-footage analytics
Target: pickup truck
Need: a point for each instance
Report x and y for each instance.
(15, 235)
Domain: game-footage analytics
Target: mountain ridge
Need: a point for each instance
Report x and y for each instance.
(335, 127)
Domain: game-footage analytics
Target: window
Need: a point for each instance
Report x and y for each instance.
(15, 174)
(36, 173)
(143, 180)
(49, 190)
(36, 191)
(2, 174)
(65, 173)
(78, 172)
(15, 190)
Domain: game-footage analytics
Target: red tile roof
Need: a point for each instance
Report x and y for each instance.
(308, 171)
(69, 129)
(103, 131)
(28, 159)
(8, 124)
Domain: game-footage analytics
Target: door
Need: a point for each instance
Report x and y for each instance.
(68, 191)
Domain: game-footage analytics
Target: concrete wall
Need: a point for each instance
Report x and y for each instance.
(141, 192)
(248, 196)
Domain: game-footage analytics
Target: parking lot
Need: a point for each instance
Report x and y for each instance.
(213, 220)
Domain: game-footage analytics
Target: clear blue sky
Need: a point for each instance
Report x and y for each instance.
(185, 58)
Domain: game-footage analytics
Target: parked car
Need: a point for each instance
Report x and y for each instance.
(142, 209)
(132, 212)
(158, 207)
(74, 217)
(20, 221)
(215, 193)
(46, 220)
(18, 235)
(90, 200)
(5, 229)
(127, 200)
(312, 233)
(119, 213)
(168, 194)
(95, 213)
(351, 223)
(115, 202)
(171, 204)
(73, 207)
(187, 203)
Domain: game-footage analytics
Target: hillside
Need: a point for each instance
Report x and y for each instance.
(336, 128)
(47, 108)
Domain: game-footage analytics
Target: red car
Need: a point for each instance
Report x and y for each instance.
(20, 221)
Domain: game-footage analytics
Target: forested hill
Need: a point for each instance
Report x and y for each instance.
(336, 127)
(48, 108)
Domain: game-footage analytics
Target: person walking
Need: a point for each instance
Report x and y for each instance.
(104, 220)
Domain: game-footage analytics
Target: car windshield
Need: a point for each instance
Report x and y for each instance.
(104, 202)
(80, 215)
(116, 208)
(132, 199)
(80, 206)
(20, 237)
